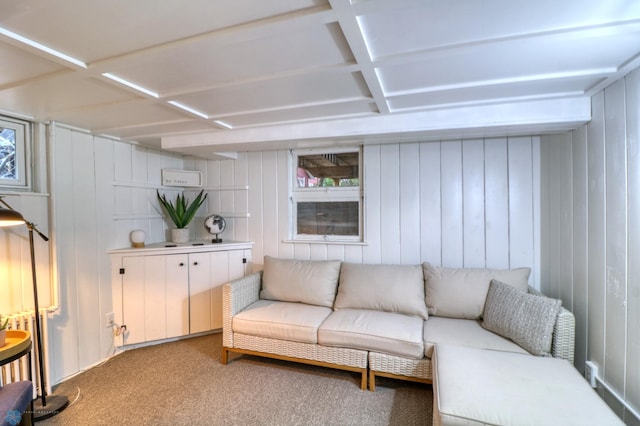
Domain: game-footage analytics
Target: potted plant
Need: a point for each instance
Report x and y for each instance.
(181, 213)
(3, 330)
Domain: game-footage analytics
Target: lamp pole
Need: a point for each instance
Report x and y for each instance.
(42, 409)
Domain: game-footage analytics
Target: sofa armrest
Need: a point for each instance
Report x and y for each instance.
(236, 296)
(564, 333)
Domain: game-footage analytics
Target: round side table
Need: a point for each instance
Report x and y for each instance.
(18, 344)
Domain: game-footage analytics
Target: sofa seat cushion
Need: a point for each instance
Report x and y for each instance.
(480, 387)
(462, 292)
(385, 332)
(390, 288)
(464, 332)
(296, 322)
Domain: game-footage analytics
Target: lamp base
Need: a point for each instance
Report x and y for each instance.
(55, 404)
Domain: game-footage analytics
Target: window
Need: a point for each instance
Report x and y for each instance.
(14, 149)
(326, 200)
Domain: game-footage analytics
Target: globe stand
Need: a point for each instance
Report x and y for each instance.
(217, 239)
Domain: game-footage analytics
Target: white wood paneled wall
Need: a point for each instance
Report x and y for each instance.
(471, 203)
(591, 235)
(467, 203)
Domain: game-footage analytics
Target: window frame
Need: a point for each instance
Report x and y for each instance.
(324, 194)
(23, 132)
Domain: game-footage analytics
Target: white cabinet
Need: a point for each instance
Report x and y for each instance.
(163, 292)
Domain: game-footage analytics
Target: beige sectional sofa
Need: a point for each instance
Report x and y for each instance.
(385, 320)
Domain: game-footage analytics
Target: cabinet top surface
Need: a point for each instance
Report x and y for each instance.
(190, 247)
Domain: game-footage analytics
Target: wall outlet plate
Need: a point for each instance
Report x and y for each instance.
(591, 373)
(109, 319)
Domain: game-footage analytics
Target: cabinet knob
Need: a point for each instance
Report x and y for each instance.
(195, 263)
(181, 263)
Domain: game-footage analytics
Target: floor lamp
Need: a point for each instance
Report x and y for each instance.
(43, 407)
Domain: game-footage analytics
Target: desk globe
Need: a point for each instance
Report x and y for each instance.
(215, 225)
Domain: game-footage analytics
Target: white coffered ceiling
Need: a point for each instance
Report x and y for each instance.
(295, 72)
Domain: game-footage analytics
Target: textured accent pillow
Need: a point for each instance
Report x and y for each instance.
(462, 292)
(527, 319)
(390, 288)
(307, 281)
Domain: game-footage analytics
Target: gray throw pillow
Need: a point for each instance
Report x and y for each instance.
(525, 318)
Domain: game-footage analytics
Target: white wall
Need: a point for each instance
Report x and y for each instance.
(591, 235)
(461, 203)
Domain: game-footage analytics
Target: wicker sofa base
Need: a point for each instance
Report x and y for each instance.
(305, 353)
(395, 367)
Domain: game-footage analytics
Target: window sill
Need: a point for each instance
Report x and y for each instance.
(333, 243)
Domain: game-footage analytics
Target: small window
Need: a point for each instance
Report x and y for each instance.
(326, 199)
(14, 149)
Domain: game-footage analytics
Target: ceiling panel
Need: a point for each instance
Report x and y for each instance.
(48, 101)
(415, 25)
(317, 112)
(211, 61)
(297, 90)
(18, 65)
(120, 115)
(530, 57)
(493, 93)
(92, 30)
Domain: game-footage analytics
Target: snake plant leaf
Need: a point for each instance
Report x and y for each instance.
(182, 211)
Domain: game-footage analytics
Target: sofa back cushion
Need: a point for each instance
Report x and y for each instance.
(307, 281)
(462, 292)
(389, 288)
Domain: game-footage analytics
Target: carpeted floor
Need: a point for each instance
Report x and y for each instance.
(184, 383)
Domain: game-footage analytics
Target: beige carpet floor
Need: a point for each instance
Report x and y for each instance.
(184, 383)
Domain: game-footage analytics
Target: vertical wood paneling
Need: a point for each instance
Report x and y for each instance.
(452, 208)
(473, 184)
(256, 207)
(409, 204)
(604, 287)
(282, 181)
(521, 250)
(616, 234)
(596, 234)
(565, 229)
(430, 204)
(84, 204)
(67, 360)
(372, 204)
(496, 203)
(632, 391)
(580, 247)
(270, 205)
(390, 199)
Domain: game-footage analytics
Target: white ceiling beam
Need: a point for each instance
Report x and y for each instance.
(356, 40)
(538, 112)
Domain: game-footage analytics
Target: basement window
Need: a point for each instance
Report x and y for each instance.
(15, 136)
(326, 196)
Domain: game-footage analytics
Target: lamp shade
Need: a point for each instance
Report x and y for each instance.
(10, 218)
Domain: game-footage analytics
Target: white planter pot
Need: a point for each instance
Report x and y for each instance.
(180, 235)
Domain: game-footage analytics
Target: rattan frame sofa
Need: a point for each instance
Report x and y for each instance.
(260, 318)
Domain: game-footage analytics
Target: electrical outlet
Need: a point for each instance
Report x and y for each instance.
(110, 319)
(591, 373)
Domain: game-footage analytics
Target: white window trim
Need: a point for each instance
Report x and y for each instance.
(297, 194)
(22, 129)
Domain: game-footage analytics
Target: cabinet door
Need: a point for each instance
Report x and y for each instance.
(199, 293)
(133, 299)
(154, 297)
(220, 266)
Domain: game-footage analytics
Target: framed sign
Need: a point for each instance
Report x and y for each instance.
(182, 178)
